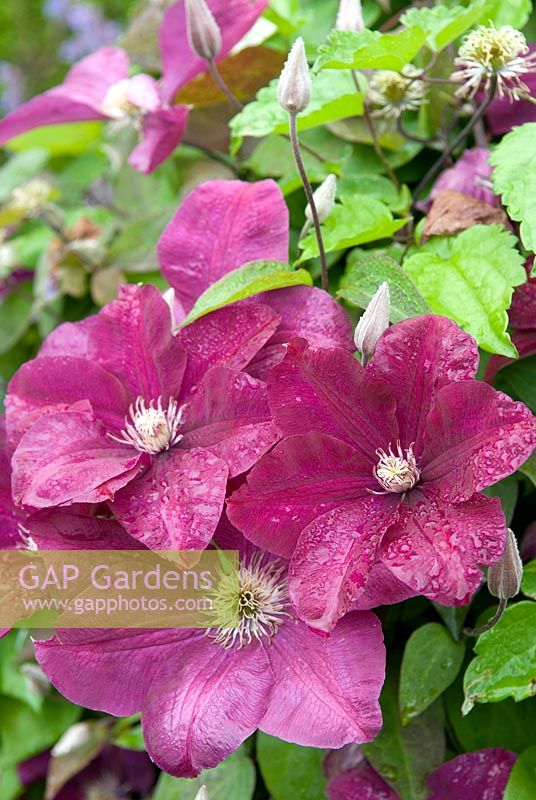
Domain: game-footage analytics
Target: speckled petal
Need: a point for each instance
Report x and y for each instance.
(64, 529)
(471, 776)
(229, 415)
(177, 503)
(418, 356)
(360, 783)
(436, 549)
(475, 436)
(326, 688)
(299, 480)
(334, 556)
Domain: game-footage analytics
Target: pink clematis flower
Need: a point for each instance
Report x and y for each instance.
(503, 114)
(471, 174)
(99, 88)
(483, 774)
(124, 412)
(384, 464)
(223, 225)
(202, 695)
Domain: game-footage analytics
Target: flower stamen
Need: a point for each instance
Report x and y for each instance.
(396, 472)
(151, 428)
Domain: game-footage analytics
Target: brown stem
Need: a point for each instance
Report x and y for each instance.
(310, 199)
(442, 160)
(489, 625)
(378, 149)
(407, 135)
(222, 86)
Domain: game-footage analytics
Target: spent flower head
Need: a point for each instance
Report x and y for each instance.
(489, 52)
(396, 92)
(294, 88)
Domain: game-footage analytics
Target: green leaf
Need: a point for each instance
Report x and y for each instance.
(522, 781)
(517, 380)
(507, 491)
(514, 177)
(506, 724)
(453, 617)
(377, 186)
(470, 278)
(10, 783)
(15, 318)
(505, 665)
(13, 681)
(405, 756)
(431, 661)
(20, 168)
(289, 770)
(24, 733)
(334, 97)
(370, 49)
(131, 739)
(233, 779)
(514, 12)
(67, 139)
(356, 220)
(529, 469)
(528, 584)
(444, 24)
(246, 281)
(365, 273)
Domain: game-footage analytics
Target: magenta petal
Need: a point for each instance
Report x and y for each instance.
(436, 548)
(522, 312)
(67, 458)
(418, 356)
(47, 385)
(229, 415)
(203, 707)
(221, 226)
(66, 530)
(305, 312)
(132, 338)
(503, 114)
(302, 478)
(327, 390)
(10, 515)
(360, 783)
(177, 503)
(382, 589)
(325, 689)
(79, 98)
(68, 339)
(474, 437)
(228, 337)
(234, 17)
(483, 774)
(334, 556)
(109, 670)
(162, 132)
(471, 174)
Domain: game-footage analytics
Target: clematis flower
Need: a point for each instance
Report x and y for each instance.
(384, 464)
(503, 115)
(153, 424)
(471, 174)
(11, 517)
(223, 225)
(99, 88)
(201, 694)
(482, 774)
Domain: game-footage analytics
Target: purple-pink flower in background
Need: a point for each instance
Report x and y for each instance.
(202, 695)
(503, 114)
(481, 775)
(223, 225)
(117, 409)
(384, 464)
(99, 88)
(471, 174)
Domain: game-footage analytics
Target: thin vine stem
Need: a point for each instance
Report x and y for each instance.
(222, 86)
(295, 144)
(378, 149)
(492, 622)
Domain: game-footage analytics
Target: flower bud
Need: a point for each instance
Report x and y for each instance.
(294, 89)
(202, 794)
(324, 198)
(203, 31)
(373, 323)
(350, 16)
(504, 577)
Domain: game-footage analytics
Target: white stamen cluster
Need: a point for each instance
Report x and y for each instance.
(249, 604)
(396, 472)
(397, 92)
(152, 428)
(489, 51)
(116, 103)
(31, 197)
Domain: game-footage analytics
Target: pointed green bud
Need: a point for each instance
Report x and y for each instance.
(204, 35)
(504, 577)
(350, 16)
(294, 88)
(373, 323)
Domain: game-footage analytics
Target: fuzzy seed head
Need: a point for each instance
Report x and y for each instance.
(397, 92)
(294, 88)
(204, 35)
